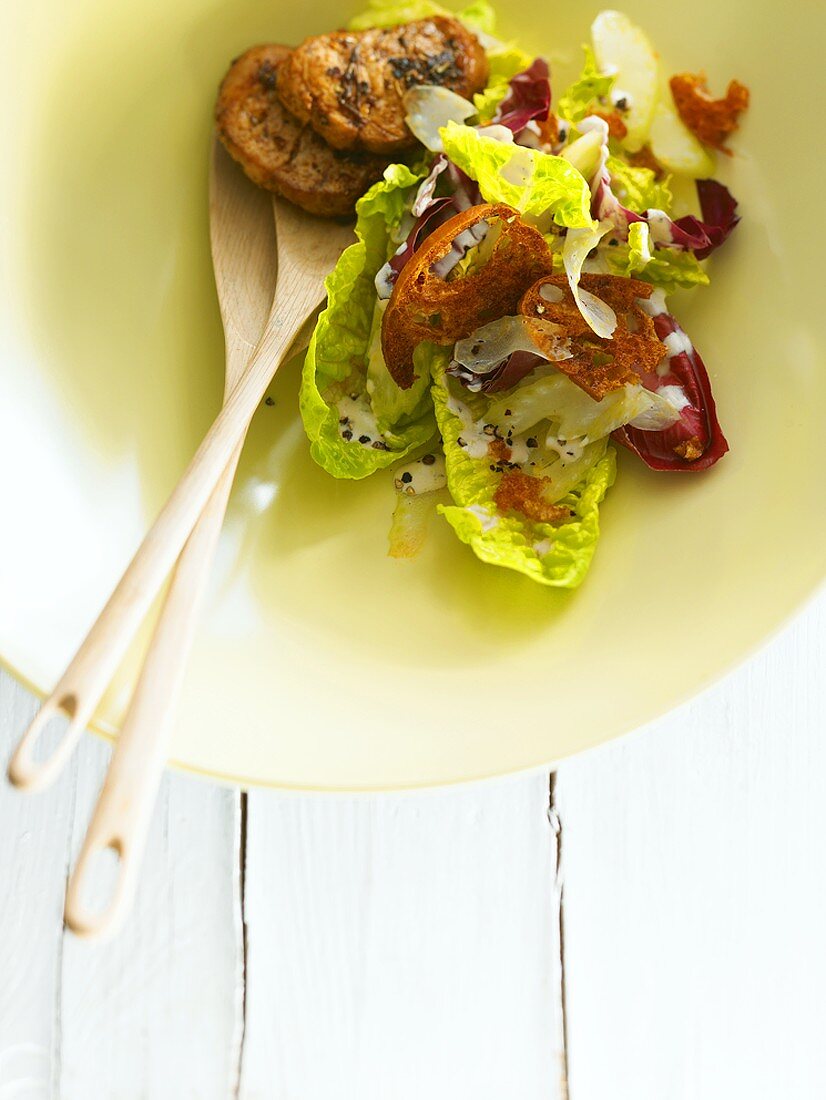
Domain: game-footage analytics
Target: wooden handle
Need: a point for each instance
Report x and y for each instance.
(81, 686)
(124, 808)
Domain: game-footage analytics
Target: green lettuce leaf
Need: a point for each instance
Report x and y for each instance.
(479, 15)
(341, 374)
(505, 62)
(537, 184)
(557, 555)
(638, 188)
(577, 101)
(639, 246)
(390, 403)
(664, 267)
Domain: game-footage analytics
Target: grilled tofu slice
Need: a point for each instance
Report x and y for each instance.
(279, 152)
(350, 86)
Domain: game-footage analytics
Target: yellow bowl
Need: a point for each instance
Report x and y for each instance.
(320, 662)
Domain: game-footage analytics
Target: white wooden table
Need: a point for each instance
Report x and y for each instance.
(648, 924)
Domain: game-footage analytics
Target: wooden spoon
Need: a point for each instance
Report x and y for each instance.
(242, 235)
(308, 249)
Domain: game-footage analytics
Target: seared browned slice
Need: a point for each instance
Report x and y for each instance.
(350, 86)
(599, 365)
(279, 152)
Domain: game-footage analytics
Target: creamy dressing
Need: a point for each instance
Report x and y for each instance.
(677, 343)
(488, 521)
(654, 306)
(520, 451)
(659, 225)
(519, 168)
(569, 450)
(474, 438)
(426, 475)
(543, 547)
(675, 395)
(385, 280)
(357, 423)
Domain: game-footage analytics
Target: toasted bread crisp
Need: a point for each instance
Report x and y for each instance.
(350, 86)
(710, 120)
(424, 306)
(599, 366)
(276, 150)
(521, 492)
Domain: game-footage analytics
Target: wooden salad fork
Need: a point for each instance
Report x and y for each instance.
(307, 250)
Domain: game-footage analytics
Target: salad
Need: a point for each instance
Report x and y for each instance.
(502, 322)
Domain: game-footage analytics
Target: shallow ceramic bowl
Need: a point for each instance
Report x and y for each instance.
(320, 662)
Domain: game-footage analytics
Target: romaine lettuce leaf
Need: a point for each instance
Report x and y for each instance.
(478, 15)
(638, 188)
(390, 403)
(537, 184)
(336, 379)
(575, 102)
(557, 555)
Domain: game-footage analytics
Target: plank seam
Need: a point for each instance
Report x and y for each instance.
(556, 825)
(57, 1035)
(242, 915)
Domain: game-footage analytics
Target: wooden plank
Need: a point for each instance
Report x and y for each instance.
(403, 946)
(35, 832)
(155, 1013)
(695, 892)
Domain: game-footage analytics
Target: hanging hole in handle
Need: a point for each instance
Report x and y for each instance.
(41, 751)
(96, 891)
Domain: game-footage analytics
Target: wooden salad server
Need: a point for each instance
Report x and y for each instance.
(242, 237)
(307, 250)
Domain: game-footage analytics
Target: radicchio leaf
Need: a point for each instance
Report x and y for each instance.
(529, 98)
(430, 212)
(719, 217)
(436, 213)
(687, 234)
(697, 433)
(508, 373)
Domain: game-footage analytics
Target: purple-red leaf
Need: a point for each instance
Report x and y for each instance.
(529, 98)
(719, 217)
(695, 441)
(503, 376)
